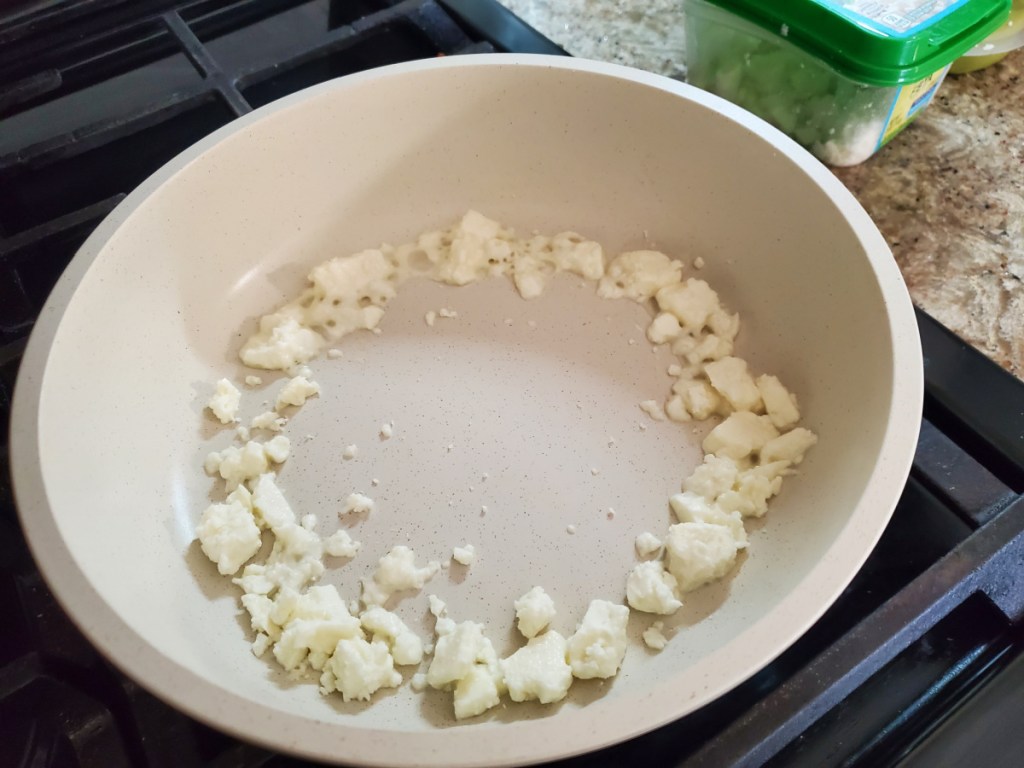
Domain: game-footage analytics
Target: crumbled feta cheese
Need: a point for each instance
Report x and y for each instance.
(350, 452)
(358, 503)
(260, 645)
(713, 477)
(295, 559)
(334, 354)
(698, 263)
(237, 465)
(227, 533)
(281, 343)
(270, 421)
(224, 402)
(789, 447)
(437, 606)
(419, 682)
(464, 555)
(653, 409)
(740, 435)
(348, 293)
(753, 488)
(652, 589)
(396, 572)
(295, 392)
(693, 508)
(430, 317)
(341, 544)
(693, 302)
(464, 660)
(665, 327)
(654, 638)
(478, 247)
(539, 670)
(639, 275)
(358, 669)
(598, 646)
(747, 456)
(695, 397)
(779, 403)
(647, 544)
(476, 692)
(729, 376)
(271, 508)
(318, 621)
(699, 552)
(535, 610)
(406, 646)
(277, 449)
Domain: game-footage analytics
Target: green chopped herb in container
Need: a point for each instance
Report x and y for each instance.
(842, 77)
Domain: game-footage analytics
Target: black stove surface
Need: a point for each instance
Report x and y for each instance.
(919, 661)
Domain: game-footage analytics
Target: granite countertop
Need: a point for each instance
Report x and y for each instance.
(947, 193)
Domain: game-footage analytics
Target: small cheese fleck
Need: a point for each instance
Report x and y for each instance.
(350, 452)
(341, 544)
(358, 503)
(464, 555)
(278, 449)
(224, 402)
(598, 646)
(253, 381)
(334, 354)
(652, 589)
(387, 429)
(295, 392)
(653, 409)
(647, 544)
(271, 421)
(654, 638)
(535, 610)
(430, 318)
(396, 572)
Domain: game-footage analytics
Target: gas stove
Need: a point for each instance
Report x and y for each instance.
(917, 664)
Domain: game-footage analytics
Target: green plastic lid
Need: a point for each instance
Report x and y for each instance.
(881, 42)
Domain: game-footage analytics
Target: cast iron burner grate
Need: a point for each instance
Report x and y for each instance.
(95, 95)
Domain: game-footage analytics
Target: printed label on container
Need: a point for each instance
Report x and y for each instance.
(898, 18)
(910, 99)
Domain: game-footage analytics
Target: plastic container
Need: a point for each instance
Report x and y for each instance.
(842, 77)
(996, 46)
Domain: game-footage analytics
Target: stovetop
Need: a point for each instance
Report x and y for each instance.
(917, 664)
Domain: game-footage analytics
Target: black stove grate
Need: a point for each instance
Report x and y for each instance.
(97, 94)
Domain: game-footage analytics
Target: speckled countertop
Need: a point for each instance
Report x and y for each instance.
(947, 193)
